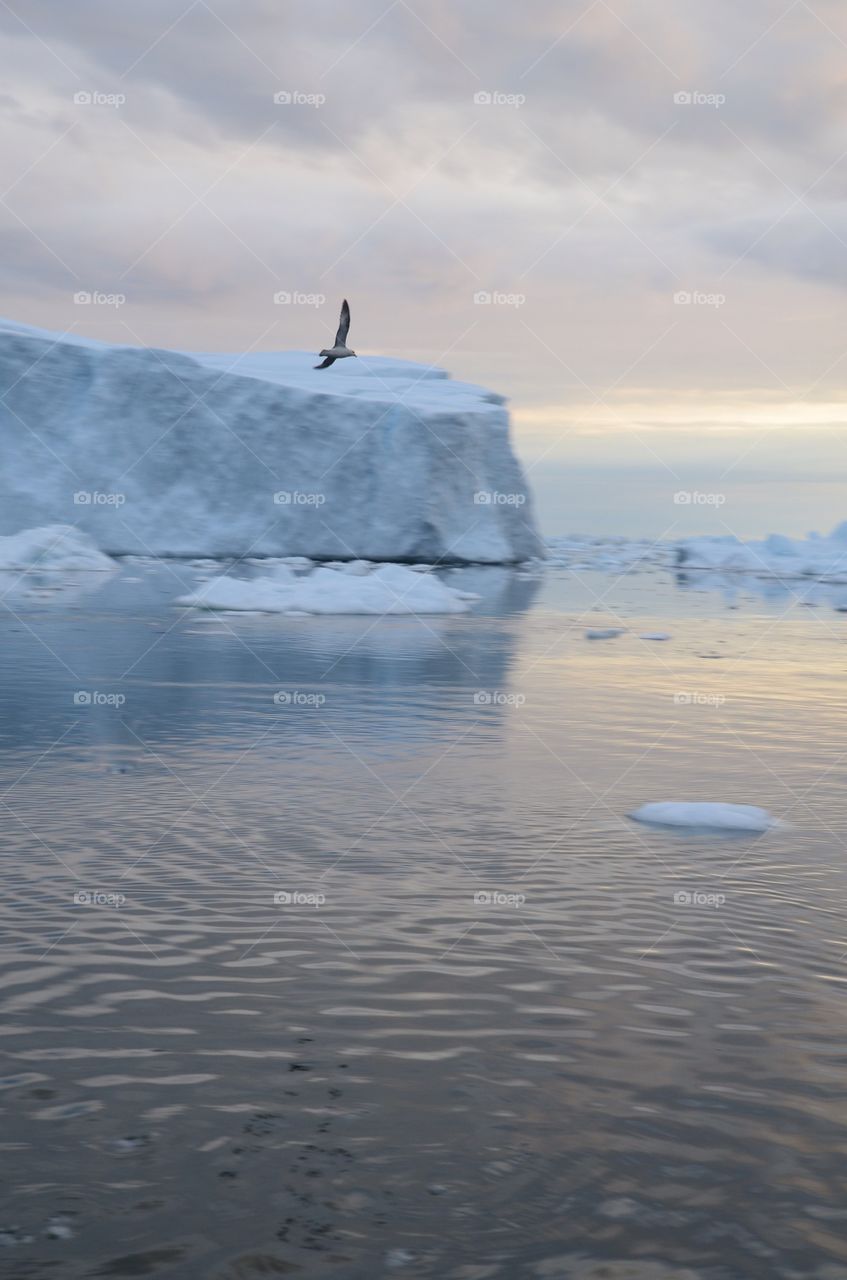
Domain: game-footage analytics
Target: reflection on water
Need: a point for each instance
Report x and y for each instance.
(486, 1029)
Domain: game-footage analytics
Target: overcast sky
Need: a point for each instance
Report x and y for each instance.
(582, 163)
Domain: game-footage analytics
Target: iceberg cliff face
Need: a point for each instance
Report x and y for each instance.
(161, 452)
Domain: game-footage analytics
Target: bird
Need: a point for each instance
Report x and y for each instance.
(340, 351)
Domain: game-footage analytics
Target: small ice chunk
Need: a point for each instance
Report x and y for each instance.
(59, 1228)
(603, 633)
(655, 635)
(399, 1258)
(715, 816)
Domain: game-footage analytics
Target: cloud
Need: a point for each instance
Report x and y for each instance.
(630, 150)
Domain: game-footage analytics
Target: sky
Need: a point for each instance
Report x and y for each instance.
(629, 217)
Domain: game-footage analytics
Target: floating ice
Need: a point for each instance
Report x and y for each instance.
(823, 559)
(387, 588)
(655, 635)
(53, 548)
(731, 817)
(603, 633)
(582, 552)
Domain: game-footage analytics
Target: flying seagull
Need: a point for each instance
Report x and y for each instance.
(340, 350)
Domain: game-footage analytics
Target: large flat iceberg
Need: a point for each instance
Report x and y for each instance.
(168, 453)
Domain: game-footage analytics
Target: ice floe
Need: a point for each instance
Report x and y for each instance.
(382, 589)
(706, 814)
(54, 548)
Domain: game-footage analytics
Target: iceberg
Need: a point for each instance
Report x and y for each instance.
(159, 452)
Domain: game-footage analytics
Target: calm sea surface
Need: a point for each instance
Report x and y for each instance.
(331, 951)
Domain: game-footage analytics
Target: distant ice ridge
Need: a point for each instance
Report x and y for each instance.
(156, 452)
(822, 558)
(592, 552)
(355, 588)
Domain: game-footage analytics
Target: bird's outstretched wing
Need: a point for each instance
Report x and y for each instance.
(343, 325)
(329, 360)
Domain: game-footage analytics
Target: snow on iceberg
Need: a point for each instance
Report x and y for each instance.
(53, 548)
(157, 452)
(729, 817)
(387, 588)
